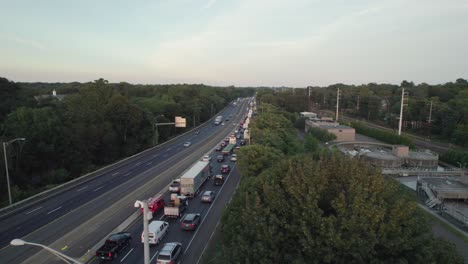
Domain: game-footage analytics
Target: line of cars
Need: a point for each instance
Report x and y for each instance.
(181, 190)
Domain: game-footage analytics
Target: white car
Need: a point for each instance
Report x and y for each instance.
(222, 123)
(206, 158)
(234, 157)
(187, 144)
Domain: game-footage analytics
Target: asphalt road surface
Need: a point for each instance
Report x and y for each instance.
(193, 242)
(77, 219)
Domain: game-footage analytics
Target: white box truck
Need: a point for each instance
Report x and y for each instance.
(194, 177)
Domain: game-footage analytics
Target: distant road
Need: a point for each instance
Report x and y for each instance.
(84, 214)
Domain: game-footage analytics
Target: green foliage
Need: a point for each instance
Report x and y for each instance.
(96, 123)
(328, 211)
(385, 136)
(253, 159)
(311, 143)
(454, 157)
(380, 103)
(321, 134)
(300, 123)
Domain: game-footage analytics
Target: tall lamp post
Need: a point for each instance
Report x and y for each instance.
(5, 144)
(146, 217)
(19, 242)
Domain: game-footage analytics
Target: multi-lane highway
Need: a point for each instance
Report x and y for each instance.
(193, 242)
(78, 218)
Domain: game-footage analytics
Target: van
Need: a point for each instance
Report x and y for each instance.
(156, 231)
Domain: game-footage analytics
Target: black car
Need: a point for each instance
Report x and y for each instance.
(218, 148)
(225, 169)
(218, 179)
(242, 142)
(220, 158)
(113, 246)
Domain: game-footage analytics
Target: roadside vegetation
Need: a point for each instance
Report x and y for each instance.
(300, 203)
(384, 136)
(95, 124)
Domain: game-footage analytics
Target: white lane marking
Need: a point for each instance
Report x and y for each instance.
(209, 239)
(99, 188)
(34, 210)
(80, 189)
(182, 218)
(154, 156)
(130, 251)
(168, 149)
(149, 163)
(113, 174)
(154, 256)
(208, 212)
(161, 217)
(126, 174)
(138, 164)
(54, 210)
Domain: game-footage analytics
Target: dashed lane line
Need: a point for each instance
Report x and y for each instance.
(97, 189)
(54, 210)
(80, 189)
(154, 256)
(113, 174)
(130, 251)
(32, 211)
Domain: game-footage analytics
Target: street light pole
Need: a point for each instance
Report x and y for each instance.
(146, 218)
(6, 166)
(19, 242)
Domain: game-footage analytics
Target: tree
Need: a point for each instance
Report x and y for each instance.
(333, 210)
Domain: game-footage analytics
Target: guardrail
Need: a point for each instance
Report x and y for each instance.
(90, 176)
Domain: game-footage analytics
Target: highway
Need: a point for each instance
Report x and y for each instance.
(76, 219)
(193, 242)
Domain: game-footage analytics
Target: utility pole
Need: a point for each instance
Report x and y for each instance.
(358, 98)
(308, 99)
(337, 104)
(401, 110)
(430, 114)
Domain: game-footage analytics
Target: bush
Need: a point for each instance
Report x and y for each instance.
(455, 156)
(322, 135)
(385, 136)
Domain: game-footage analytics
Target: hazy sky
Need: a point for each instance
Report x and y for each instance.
(238, 42)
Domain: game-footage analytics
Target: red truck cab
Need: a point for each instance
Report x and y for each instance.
(155, 204)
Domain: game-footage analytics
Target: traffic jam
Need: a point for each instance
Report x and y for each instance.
(178, 213)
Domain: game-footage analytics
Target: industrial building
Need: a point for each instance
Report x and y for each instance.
(342, 133)
(392, 156)
(448, 195)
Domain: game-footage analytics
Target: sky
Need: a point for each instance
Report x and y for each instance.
(234, 42)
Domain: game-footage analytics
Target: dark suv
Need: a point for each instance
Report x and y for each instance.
(220, 158)
(170, 253)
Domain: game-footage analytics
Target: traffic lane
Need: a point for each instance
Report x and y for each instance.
(20, 225)
(182, 138)
(176, 234)
(195, 251)
(124, 214)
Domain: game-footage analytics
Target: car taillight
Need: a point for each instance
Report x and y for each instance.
(110, 254)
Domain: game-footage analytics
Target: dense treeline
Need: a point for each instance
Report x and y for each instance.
(380, 103)
(294, 206)
(96, 123)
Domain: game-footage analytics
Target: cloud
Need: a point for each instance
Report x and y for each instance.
(209, 4)
(23, 42)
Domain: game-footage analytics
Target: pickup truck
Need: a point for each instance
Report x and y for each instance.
(176, 207)
(113, 246)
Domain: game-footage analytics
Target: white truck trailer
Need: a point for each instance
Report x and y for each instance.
(194, 177)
